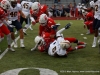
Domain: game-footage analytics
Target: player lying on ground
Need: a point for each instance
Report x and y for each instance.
(60, 46)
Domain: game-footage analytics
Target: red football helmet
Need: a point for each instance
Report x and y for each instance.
(89, 16)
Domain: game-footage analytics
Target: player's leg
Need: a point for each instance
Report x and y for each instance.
(19, 28)
(6, 31)
(80, 44)
(95, 27)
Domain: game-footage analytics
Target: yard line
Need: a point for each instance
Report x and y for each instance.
(6, 50)
(1, 56)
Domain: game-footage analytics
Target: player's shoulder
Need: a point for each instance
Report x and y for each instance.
(50, 20)
(18, 5)
(43, 6)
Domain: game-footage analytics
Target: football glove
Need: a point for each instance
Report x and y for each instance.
(55, 26)
(67, 26)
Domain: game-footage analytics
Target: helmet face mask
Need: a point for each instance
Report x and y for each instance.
(43, 19)
(5, 4)
(36, 11)
(39, 40)
(35, 7)
(13, 3)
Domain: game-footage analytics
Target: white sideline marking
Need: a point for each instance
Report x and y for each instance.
(1, 56)
(6, 50)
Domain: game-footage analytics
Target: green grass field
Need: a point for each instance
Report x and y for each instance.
(81, 62)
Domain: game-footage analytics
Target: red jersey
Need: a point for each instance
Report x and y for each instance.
(48, 40)
(89, 23)
(47, 28)
(42, 10)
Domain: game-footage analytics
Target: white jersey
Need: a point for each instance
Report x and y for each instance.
(26, 7)
(96, 6)
(13, 12)
(55, 48)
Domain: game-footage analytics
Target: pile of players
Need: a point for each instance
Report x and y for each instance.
(13, 14)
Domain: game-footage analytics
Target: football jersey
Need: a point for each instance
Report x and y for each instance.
(26, 7)
(2, 17)
(96, 6)
(13, 12)
(48, 27)
(55, 48)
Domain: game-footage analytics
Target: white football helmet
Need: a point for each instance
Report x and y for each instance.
(35, 7)
(43, 19)
(65, 44)
(39, 40)
(5, 4)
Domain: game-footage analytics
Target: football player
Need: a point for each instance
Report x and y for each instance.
(95, 4)
(60, 46)
(13, 18)
(36, 10)
(4, 6)
(26, 5)
(89, 23)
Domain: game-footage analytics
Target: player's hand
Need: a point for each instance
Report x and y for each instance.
(67, 26)
(33, 23)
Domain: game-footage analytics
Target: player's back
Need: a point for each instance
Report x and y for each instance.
(26, 6)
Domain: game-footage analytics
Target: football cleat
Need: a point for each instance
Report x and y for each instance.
(11, 49)
(22, 45)
(94, 44)
(16, 32)
(15, 45)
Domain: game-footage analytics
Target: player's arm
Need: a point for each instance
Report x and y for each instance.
(22, 14)
(89, 9)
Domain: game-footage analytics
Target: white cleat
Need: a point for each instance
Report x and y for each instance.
(94, 45)
(11, 49)
(22, 45)
(15, 45)
(16, 32)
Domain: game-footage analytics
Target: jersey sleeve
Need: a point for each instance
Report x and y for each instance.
(19, 7)
(44, 8)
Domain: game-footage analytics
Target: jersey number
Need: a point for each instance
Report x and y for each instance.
(25, 5)
(54, 49)
(13, 14)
